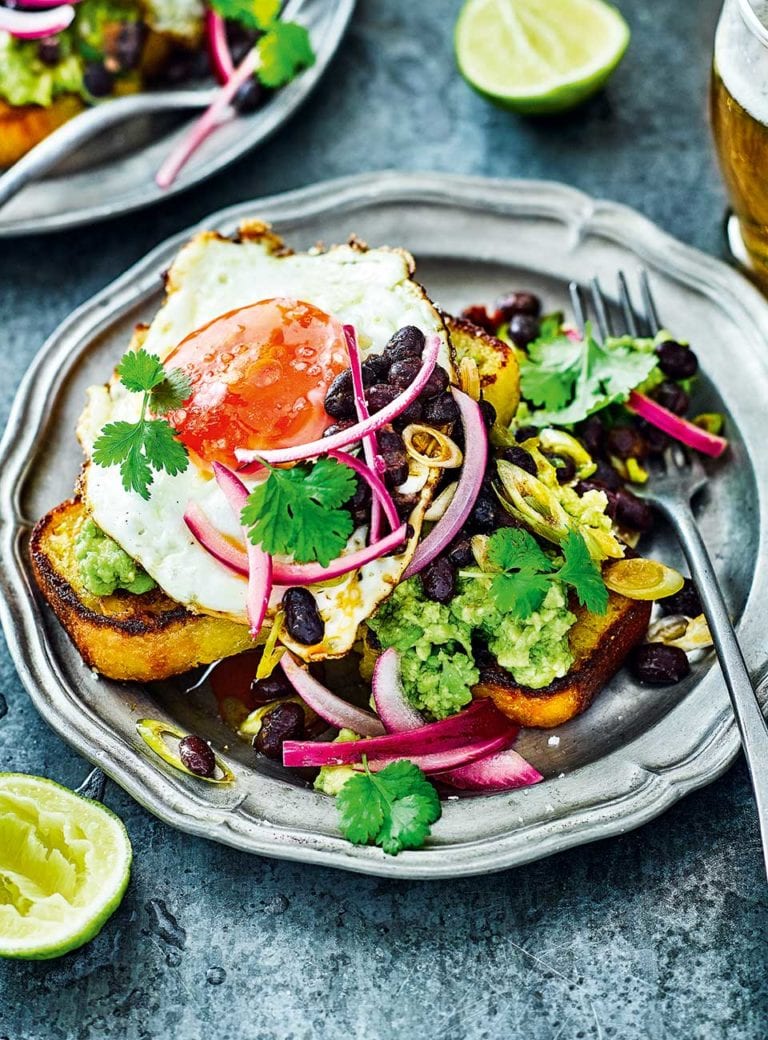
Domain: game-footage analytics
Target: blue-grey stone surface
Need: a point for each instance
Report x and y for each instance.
(658, 934)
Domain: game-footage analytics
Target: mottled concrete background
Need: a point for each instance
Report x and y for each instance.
(658, 934)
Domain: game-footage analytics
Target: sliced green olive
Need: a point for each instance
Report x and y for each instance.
(558, 442)
(643, 579)
(154, 733)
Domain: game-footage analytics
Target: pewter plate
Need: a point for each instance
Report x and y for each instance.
(108, 178)
(636, 751)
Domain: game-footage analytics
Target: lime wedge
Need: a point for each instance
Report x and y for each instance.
(64, 866)
(539, 56)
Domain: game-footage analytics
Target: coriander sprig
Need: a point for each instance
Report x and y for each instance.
(284, 48)
(150, 443)
(394, 808)
(527, 573)
(298, 511)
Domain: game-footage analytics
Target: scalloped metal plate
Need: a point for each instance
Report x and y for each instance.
(91, 188)
(635, 751)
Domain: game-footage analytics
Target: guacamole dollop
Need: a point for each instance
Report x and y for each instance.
(104, 566)
(25, 80)
(434, 641)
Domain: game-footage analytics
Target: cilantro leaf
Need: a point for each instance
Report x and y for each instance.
(253, 14)
(582, 573)
(297, 511)
(394, 808)
(171, 393)
(512, 547)
(567, 380)
(139, 447)
(520, 593)
(284, 51)
(139, 371)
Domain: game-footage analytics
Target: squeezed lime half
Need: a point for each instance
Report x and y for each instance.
(65, 862)
(539, 56)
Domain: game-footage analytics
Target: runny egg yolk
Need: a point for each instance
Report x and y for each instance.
(259, 376)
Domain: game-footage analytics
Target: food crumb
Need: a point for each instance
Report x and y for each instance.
(549, 808)
(553, 741)
(561, 776)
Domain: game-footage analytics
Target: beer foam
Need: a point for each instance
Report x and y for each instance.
(741, 58)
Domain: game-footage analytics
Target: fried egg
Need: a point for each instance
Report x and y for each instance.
(371, 289)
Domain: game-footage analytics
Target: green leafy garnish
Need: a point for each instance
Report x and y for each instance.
(528, 573)
(583, 575)
(394, 808)
(567, 380)
(284, 48)
(297, 511)
(138, 448)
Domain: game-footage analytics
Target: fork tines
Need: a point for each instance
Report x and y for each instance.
(634, 322)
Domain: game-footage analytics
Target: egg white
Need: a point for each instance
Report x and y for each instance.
(371, 289)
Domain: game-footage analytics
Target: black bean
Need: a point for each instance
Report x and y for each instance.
(565, 468)
(441, 410)
(406, 342)
(389, 439)
(249, 96)
(403, 372)
(274, 688)
(672, 397)
(412, 414)
(460, 554)
(97, 80)
(592, 433)
(655, 438)
(360, 503)
(375, 369)
(302, 618)
(626, 443)
(523, 329)
(405, 504)
(340, 406)
(344, 424)
(49, 50)
(436, 384)
(395, 468)
(484, 518)
(518, 303)
(606, 476)
(285, 722)
(380, 395)
(128, 44)
(686, 601)
(197, 756)
(677, 361)
(632, 512)
(488, 413)
(479, 316)
(656, 664)
(438, 580)
(520, 457)
(524, 433)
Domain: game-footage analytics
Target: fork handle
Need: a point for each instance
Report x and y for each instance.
(749, 716)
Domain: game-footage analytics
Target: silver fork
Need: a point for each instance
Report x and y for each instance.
(673, 485)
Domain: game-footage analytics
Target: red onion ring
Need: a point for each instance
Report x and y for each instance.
(327, 705)
(374, 482)
(34, 25)
(259, 562)
(370, 443)
(218, 48)
(467, 490)
(687, 433)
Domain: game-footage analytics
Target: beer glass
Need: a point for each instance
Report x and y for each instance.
(739, 111)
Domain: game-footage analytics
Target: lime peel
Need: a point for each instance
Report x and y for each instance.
(65, 863)
(539, 57)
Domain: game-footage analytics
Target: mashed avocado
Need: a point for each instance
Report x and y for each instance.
(435, 641)
(104, 566)
(331, 779)
(25, 80)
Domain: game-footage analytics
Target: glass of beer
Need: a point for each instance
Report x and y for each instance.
(739, 110)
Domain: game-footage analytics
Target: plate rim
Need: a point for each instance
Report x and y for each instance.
(285, 105)
(651, 789)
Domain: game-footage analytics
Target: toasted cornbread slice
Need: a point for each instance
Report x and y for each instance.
(496, 362)
(123, 636)
(599, 646)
